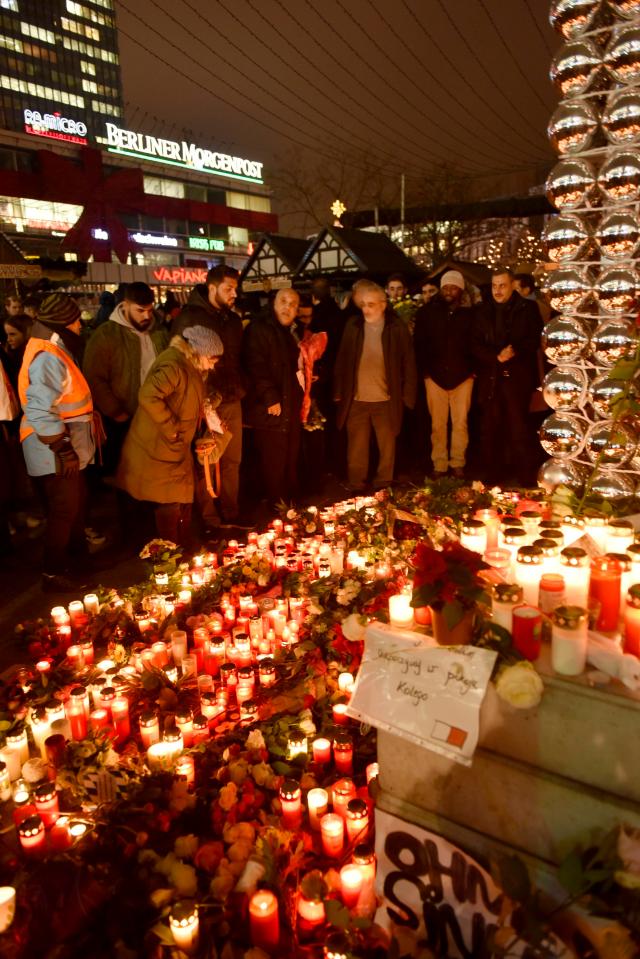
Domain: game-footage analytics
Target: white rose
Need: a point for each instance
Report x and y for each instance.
(353, 628)
(255, 740)
(520, 686)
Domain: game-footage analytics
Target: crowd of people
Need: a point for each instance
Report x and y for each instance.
(199, 418)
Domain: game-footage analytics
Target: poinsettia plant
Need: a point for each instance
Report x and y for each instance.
(447, 580)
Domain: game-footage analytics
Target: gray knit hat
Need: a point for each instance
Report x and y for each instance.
(205, 342)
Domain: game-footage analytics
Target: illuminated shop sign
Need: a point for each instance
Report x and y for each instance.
(144, 239)
(180, 274)
(183, 154)
(55, 126)
(204, 243)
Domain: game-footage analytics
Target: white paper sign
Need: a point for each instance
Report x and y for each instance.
(436, 897)
(426, 693)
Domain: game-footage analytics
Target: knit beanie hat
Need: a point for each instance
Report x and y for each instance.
(204, 341)
(452, 278)
(58, 311)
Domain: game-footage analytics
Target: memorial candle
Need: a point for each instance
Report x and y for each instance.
(46, 800)
(60, 616)
(491, 521)
(263, 920)
(178, 646)
(343, 753)
(173, 740)
(185, 769)
(78, 720)
(149, 728)
(121, 722)
(339, 713)
(528, 570)
(98, 719)
(75, 657)
(596, 527)
(200, 729)
(400, 611)
(473, 535)
(184, 722)
(574, 567)
(332, 833)
(357, 821)
(343, 791)
(17, 739)
(60, 837)
(55, 746)
(321, 750)
(31, 834)
(296, 744)
(23, 806)
(5, 782)
(7, 907)
(267, 671)
(185, 926)
(364, 857)
(504, 598)
(317, 804)
(604, 587)
(569, 640)
(624, 561)
(620, 536)
(632, 621)
(160, 757)
(291, 800)
(91, 604)
(350, 884)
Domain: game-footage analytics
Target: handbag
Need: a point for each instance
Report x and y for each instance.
(209, 450)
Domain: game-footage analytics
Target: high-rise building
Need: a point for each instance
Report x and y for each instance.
(59, 68)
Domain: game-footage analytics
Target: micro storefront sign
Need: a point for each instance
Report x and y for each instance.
(183, 154)
(55, 126)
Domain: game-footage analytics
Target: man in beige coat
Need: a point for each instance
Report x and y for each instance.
(157, 460)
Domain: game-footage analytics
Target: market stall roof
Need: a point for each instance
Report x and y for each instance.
(275, 258)
(336, 250)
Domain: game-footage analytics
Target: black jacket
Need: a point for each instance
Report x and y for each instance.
(227, 378)
(270, 358)
(520, 325)
(441, 341)
(399, 362)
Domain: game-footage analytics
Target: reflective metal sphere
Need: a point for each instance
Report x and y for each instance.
(613, 341)
(612, 486)
(604, 391)
(566, 238)
(612, 444)
(572, 17)
(575, 66)
(571, 184)
(564, 388)
(622, 56)
(618, 235)
(619, 178)
(557, 472)
(562, 434)
(616, 288)
(564, 339)
(621, 118)
(568, 288)
(572, 126)
(627, 9)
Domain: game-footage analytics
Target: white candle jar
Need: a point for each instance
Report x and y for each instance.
(505, 597)
(529, 569)
(576, 573)
(473, 535)
(569, 640)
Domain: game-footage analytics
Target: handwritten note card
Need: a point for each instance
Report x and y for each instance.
(426, 693)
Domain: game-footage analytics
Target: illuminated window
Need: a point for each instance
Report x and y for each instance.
(88, 68)
(42, 53)
(247, 201)
(96, 52)
(238, 234)
(90, 86)
(80, 28)
(162, 187)
(107, 4)
(9, 5)
(37, 90)
(37, 33)
(81, 11)
(109, 108)
(11, 43)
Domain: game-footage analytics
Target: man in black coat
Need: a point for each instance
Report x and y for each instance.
(505, 339)
(443, 358)
(375, 377)
(211, 305)
(274, 397)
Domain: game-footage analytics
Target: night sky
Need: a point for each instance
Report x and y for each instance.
(412, 83)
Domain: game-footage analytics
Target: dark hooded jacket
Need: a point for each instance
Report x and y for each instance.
(227, 378)
(518, 323)
(399, 362)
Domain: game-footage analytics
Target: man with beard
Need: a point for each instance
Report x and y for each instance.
(211, 305)
(441, 341)
(118, 357)
(57, 436)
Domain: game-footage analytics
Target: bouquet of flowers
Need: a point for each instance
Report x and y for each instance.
(448, 580)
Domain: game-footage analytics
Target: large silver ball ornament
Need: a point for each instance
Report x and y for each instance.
(619, 177)
(564, 339)
(611, 444)
(622, 56)
(605, 391)
(572, 127)
(572, 17)
(616, 288)
(612, 341)
(621, 118)
(557, 472)
(574, 67)
(626, 9)
(566, 238)
(571, 184)
(568, 288)
(618, 235)
(612, 486)
(562, 434)
(564, 388)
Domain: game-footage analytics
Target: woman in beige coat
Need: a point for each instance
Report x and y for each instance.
(157, 460)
